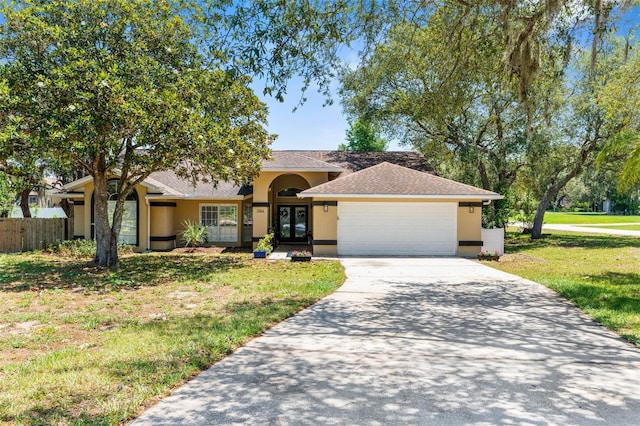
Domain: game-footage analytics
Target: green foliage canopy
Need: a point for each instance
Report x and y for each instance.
(119, 87)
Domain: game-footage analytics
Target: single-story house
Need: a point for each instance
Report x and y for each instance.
(341, 202)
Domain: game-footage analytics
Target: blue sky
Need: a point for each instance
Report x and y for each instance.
(312, 125)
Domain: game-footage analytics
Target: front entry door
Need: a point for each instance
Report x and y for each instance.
(293, 223)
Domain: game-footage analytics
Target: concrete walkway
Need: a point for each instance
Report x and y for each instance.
(421, 341)
(593, 229)
(283, 251)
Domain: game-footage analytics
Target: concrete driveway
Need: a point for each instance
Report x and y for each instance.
(421, 341)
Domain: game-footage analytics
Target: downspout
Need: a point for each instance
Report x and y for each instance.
(146, 199)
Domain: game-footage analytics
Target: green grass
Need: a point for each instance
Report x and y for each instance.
(83, 345)
(622, 227)
(600, 274)
(586, 218)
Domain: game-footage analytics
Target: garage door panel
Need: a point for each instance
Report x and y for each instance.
(397, 228)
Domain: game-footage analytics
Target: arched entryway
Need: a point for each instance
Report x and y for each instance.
(291, 219)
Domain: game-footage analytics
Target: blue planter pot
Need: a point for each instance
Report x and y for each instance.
(259, 254)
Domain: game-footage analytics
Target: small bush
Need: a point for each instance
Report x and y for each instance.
(80, 249)
(73, 248)
(193, 235)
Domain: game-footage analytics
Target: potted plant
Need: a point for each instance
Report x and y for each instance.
(300, 256)
(264, 247)
(489, 255)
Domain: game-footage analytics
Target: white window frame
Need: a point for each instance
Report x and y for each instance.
(215, 233)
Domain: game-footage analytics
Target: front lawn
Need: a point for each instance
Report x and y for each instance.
(90, 346)
(600, 274)
(565, 218)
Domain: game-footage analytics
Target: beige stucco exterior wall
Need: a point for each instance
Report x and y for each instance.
(262, 183)
(162, 225)
(78, 221)
(469, 229)
(325, 230)
(283, 182)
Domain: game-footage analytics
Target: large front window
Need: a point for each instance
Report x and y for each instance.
(221, 221)
(129, 228)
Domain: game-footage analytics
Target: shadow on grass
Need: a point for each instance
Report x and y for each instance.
(611, 298)
(41, 273)
(163, 355)
(588, 296)
(517, 242)
(618, 279)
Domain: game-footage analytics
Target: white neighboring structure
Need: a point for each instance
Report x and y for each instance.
(493, 240)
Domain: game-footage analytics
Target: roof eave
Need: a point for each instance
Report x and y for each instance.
(411, 196)
(87, 179)
(301, 170)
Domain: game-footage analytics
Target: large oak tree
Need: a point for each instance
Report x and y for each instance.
(123, 88)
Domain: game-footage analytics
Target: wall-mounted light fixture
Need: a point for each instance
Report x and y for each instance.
(325, 207)
(471, 209)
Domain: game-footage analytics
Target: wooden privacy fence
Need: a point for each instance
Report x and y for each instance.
(18, 235)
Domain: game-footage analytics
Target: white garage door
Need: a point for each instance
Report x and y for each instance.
(397, 228)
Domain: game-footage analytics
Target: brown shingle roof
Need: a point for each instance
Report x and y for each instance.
(297, 161)
(337, 163)
(172, 185)
(386, 179)
(353, 161)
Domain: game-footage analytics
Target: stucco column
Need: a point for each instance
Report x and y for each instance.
(261, 206)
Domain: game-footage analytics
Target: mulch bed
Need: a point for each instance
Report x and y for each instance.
(212, 250)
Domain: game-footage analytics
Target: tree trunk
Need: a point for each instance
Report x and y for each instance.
(551, 193)
(536, 231)
(106, 241)
(67, 207)
(24, 203)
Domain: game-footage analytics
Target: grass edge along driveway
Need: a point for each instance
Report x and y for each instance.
(581, 218)
(599, 274)
(81, 345)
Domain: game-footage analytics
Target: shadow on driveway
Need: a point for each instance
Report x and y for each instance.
(421, 341)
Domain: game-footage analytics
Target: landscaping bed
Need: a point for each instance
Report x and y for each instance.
(600, 274)
(80, 344)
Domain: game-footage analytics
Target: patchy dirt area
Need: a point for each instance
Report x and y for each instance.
(520, 257)
(62, 304)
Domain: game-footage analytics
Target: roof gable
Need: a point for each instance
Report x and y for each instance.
(386, 179)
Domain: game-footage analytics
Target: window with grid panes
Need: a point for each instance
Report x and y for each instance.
(221, 221)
